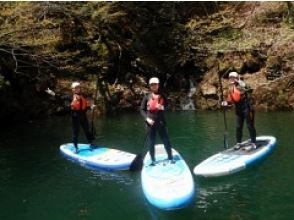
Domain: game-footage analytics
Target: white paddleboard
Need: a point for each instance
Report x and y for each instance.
(99, 157)
(166, 185)
(233, 160)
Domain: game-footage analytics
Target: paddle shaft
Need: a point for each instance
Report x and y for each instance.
(93, 110)
(226, 144)
(137, 163)
(92, 123)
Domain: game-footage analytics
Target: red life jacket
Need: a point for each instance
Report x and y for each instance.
(78, 103)
(235, 95)
(152, 104)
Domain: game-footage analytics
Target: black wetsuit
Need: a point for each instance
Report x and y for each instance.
(158, 126)
(244, 112)
(79, 118)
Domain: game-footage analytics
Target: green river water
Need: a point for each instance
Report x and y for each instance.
(37, 182)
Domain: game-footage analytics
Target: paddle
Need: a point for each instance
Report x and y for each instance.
(137, 163)
(226, 144)
(93, 131)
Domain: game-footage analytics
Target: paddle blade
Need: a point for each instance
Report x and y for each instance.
(137, 163)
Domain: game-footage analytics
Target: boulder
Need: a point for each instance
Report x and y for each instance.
(208, 90)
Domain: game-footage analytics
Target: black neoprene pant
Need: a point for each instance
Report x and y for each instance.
(79, 118)
(247, 115)
(151, 136)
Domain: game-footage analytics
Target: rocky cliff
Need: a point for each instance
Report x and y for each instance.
(114, 47)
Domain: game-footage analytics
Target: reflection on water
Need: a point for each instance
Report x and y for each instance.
(119, 177)
(207, 195)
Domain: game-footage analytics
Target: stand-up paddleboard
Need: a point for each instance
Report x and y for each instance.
(167, 185)
(233, 160)
(99, 157)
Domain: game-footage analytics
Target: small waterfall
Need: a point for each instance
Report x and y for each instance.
(187, 103)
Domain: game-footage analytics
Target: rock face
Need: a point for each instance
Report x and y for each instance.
(208, 95)
(277, 94)
(115, 47)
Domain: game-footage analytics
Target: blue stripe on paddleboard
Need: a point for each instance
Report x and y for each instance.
(174, 204)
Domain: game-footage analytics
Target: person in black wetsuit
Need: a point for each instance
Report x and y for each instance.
(79, 117)
(152, 109)
(238, 95)
(78, 111)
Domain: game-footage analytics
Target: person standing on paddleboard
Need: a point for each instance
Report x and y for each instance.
(238, 94)
(152, 109)
(78, 109)
(79, 117)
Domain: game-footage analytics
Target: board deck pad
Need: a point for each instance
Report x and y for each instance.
(247, 148)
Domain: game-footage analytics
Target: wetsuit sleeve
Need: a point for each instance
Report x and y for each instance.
(143, 107)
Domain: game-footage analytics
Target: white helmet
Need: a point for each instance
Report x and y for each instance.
(154, 80)
(233, 74)
(75, 84)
